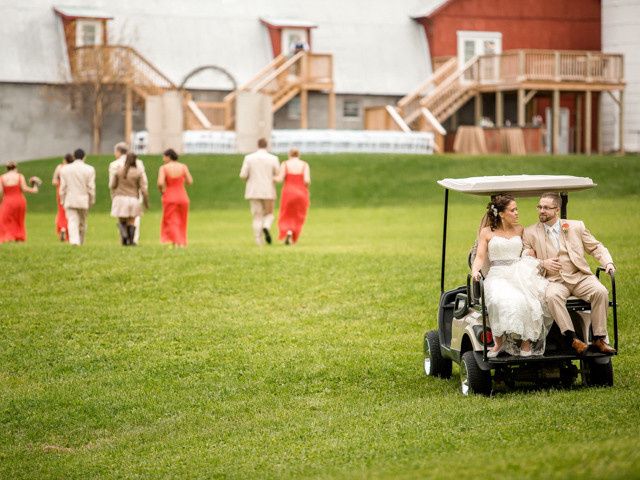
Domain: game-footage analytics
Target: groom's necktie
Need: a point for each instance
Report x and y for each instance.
(553, 235)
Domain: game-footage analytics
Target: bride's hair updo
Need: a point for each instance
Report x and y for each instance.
(498, 203)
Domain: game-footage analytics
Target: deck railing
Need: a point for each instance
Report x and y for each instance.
(118, 64)
(550, 65)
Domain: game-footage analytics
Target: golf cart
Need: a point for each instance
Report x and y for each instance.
(464, 336)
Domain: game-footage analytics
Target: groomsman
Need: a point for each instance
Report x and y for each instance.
(258, 170)
(120, 153)
(77, 195)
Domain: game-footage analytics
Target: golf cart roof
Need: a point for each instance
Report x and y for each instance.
(523, 185)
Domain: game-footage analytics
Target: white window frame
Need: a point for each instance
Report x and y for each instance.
(358, 105)
(80, 24)
(478, 37)
(285, 44)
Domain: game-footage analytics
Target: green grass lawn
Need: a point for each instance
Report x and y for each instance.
(224, 360)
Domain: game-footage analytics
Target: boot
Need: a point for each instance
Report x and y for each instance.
(123, 233)
(131, 231)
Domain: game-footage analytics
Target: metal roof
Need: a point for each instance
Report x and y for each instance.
(377, 49)
(81, 12)
(288, 22)
(522, 185)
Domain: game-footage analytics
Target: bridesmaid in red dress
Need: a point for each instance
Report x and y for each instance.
(13, 206)
(294, 201)
(175, 202)
(61, 218)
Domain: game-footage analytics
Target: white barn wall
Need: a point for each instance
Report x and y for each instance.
(379, 54)
(620, 34)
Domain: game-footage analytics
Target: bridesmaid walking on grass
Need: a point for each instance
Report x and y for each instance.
(61, 218)
(294, 202)
(175, 201)
(13, 205)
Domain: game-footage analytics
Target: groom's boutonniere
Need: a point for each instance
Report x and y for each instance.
(565, 227)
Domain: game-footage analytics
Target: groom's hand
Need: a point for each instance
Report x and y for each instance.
(609, 268)
(552, 265)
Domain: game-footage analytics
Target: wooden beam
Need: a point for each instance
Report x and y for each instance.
(555, 122)
(304, 109)
(587, 122)
(578, 102)
(521, 105)
(499, 109)
(621, 122)
(529, 96)
(128, 113)
(332, 110)
(613, 97)
(478, 108)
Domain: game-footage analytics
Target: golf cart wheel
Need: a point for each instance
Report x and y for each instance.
(435, 365)
(600, 374)
(472, 378)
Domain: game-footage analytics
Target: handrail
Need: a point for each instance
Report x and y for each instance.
(449, 81)
(269, 78)
(445, 67)
(133, 54)
(271, 65)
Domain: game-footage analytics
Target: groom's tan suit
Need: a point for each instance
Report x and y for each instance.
(575, 276)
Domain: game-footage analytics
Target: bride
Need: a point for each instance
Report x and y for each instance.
(514, 290)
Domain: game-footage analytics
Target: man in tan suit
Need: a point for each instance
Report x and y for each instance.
(77, 194)
(258, 170)
(561, 245)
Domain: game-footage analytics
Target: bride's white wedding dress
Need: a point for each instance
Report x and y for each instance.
(514, 295)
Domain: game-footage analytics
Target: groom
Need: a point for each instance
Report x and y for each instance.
(561, 246)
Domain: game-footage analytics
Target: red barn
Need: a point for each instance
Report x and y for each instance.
(525, 62)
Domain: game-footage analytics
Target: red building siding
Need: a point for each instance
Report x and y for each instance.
(544, 24)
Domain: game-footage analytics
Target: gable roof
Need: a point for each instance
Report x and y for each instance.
(376, 47)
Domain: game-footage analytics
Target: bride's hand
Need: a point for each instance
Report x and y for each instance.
(476, 275)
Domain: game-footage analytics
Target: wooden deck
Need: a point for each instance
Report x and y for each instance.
(525, 72)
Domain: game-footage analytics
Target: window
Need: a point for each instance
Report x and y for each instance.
(472, 43)
(351, 109)
(293, 109)
(88, 32)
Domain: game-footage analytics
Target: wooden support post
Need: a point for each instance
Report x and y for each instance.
(521, 107)
(332, 110)
(304, 109)
(478, 108)
(579, 98)
(621, 122)
(587, 122)
(128, 113)
(454, 121)
(499, 109)
(556, 122)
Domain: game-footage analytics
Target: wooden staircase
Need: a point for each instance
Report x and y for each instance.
(439, 97)
(121, 65)
(282, 79)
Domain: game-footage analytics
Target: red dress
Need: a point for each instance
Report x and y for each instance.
(293, 205)
(175, 210)
(12, 212)
(61, 217)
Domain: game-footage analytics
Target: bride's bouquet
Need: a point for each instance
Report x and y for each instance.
(35, 181)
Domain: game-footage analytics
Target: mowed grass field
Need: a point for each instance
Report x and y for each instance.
(225, 360)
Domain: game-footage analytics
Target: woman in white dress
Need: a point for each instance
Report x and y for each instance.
(514, 290)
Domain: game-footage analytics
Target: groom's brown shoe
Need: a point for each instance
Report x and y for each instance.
(603, 347)
(579, 346)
